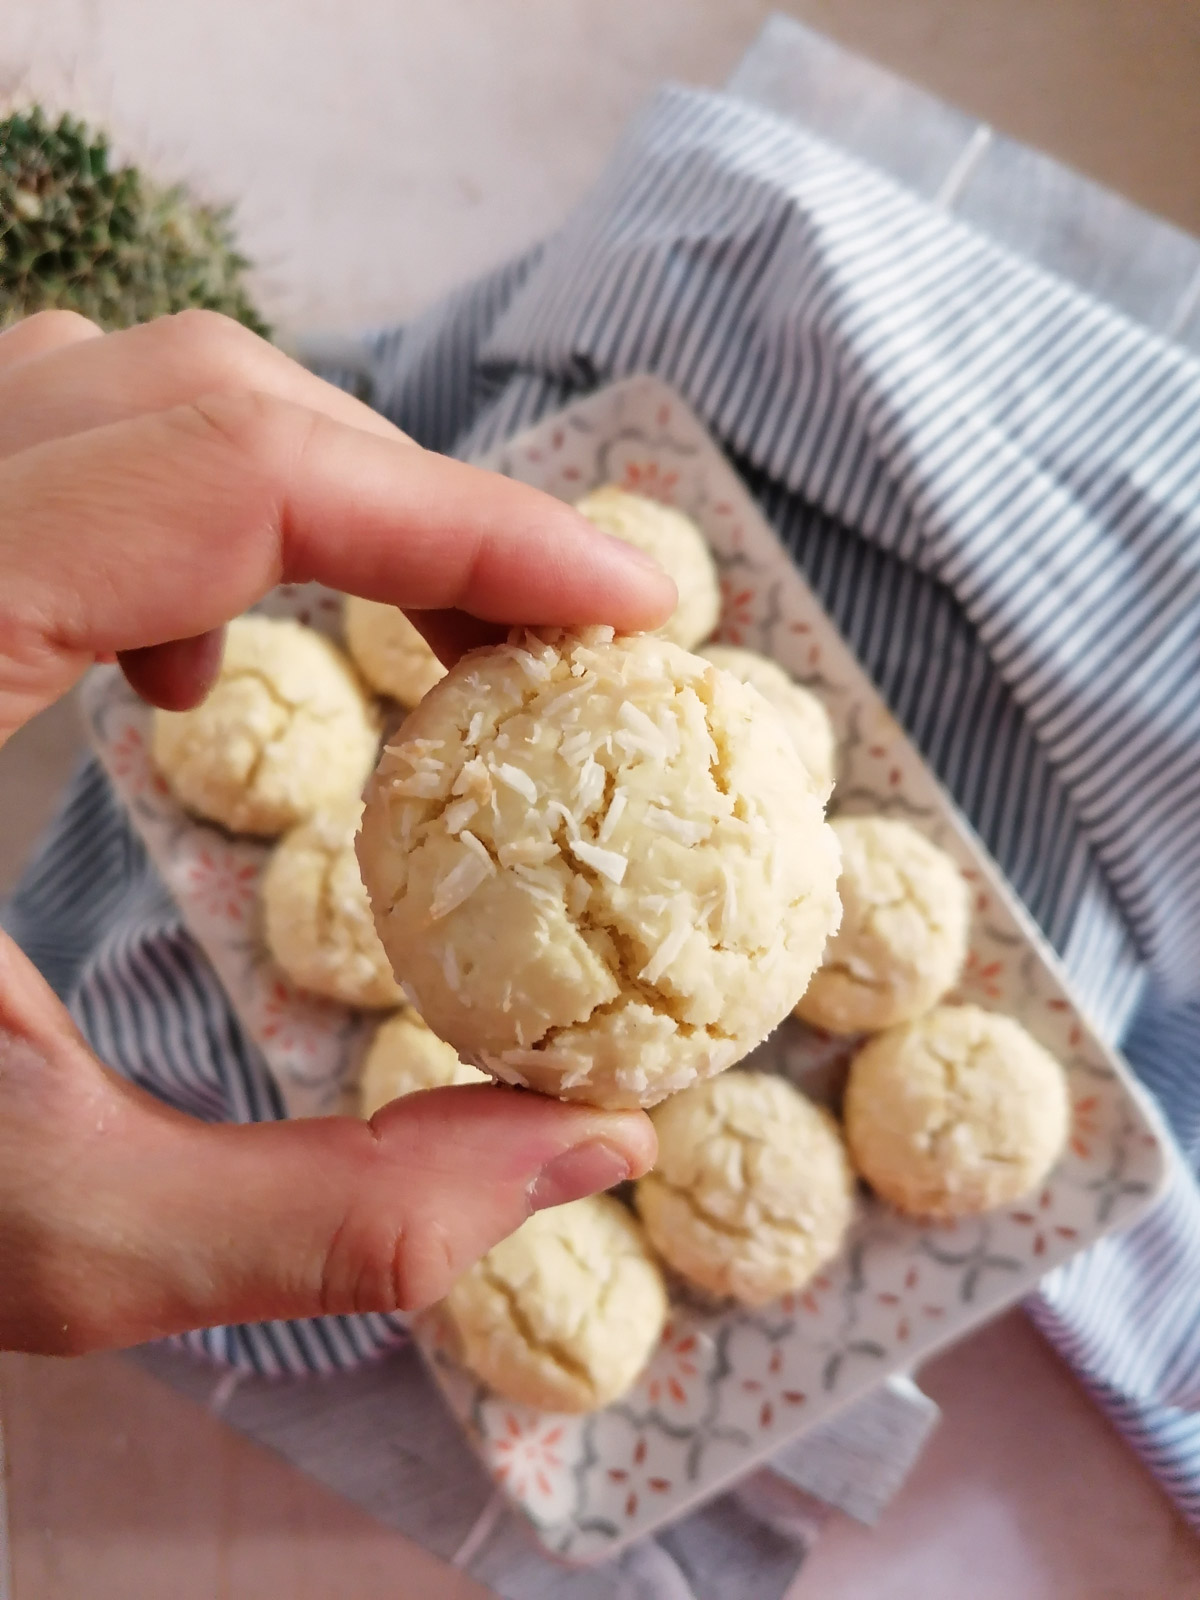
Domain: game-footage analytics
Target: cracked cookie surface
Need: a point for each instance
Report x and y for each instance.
(598, 865)
(752, 1191)
(317, 918)
(678, 546)
(957, 1113)
(405, 1056)
(285, 731)
(566, 1312)
(389, 652)
(903, 937)
(805, 718)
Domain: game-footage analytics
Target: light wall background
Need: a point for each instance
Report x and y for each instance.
(383, 149)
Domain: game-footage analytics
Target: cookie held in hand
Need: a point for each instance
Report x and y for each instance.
(598, 865)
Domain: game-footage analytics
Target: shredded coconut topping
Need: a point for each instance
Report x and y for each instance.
(612, 816)
(516, 780)
(590, 786)
(461, 882)
(420, 785)
(677, 936)
(609, 863)
(680, 828)
(459, 813)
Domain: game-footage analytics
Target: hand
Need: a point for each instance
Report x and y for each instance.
(153, 485)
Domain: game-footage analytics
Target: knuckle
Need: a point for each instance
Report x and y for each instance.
(58, 327)
(217, 352)
(197, 328)
(383, 1267)
(213, 351)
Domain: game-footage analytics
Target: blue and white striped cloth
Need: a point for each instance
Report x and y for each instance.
(992, 482)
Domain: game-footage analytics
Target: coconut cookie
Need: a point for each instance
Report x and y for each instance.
(284, 732)
(903, 938)
(956, 1113)
(317, 918)
(802, 713)
(598, 865)
(678, 546)
(752, 1191)
(566, 1312)
(389, 652)
(405, 1056)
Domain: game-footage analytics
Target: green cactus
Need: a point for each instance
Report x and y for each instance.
(78, 234)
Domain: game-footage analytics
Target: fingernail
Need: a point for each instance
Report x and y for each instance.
(586, 1169)
(630, 552)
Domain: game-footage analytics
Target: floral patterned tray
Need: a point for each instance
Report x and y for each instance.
(727, 1388)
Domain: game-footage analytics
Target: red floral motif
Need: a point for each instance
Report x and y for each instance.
(810, 1300)
(290, 1023)
(221, 884)
(527, 1455)
(737, 610)
(634, 1477)
(1040, 1223)
(983, 976)
(675, 1368)
(645, 477)
(759, 1372)
(129, 761)
(902, 1301)
(1076, 1032)
(1084, 1125)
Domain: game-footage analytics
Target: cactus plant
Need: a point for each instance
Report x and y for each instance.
(78, 231)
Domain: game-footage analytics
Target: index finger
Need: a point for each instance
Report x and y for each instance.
(165, 526)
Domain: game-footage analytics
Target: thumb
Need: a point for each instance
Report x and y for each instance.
(122, 1220)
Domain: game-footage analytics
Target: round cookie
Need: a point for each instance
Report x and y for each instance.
(389, 652)
(317, 918)
(903, 938)
(598, 865)
(678, 546)
(802, 713)
(284, 732)
(566, 1312)
(752, 1191)
(403, 1057)
(956, 1113)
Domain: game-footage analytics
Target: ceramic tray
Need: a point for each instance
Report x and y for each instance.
(727, 1388)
